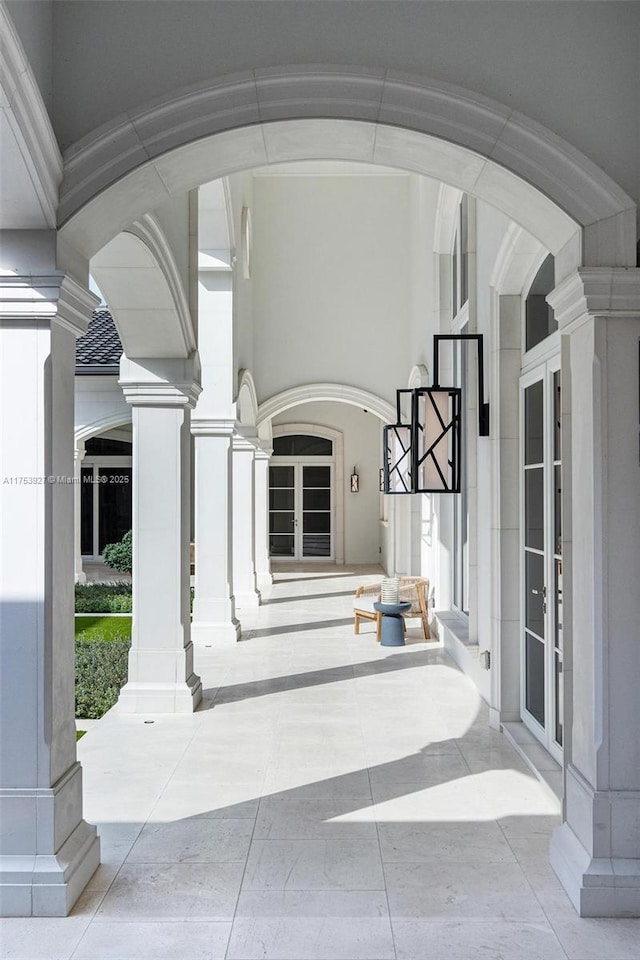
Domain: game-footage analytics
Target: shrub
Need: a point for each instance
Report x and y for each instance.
(101, 671)
(118, 555)
(103, 597)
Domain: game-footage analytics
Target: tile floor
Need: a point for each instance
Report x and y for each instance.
(331, 800)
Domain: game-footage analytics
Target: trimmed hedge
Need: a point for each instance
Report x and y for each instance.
(101, 671)
(112, 597)
(119, 555)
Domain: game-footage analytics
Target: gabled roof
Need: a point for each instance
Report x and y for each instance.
(100, 349)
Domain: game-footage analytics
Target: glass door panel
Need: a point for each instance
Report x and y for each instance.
(300, 510)
(316, 511)
(282, 511)
(542, 560)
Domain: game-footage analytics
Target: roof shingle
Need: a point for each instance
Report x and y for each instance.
(100, 346)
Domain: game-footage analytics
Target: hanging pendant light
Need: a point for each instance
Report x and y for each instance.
(422, 454)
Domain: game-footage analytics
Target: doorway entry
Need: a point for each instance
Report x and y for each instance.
(301, 498)
(541, 526)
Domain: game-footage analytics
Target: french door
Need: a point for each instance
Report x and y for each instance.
(300, 509)
(541, 526)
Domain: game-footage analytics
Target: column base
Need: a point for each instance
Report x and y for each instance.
(265, 581)
(248, 601)
(81, 577)
(48, 886)
(596, 887)
(205, 634)
(163, 697)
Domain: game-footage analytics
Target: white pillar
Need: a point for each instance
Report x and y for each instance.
(506, 359)
(47, 851)
(596, 850)
(78, 457)
(245, 587)
(162, 393)
(261, 519)
(214, 618)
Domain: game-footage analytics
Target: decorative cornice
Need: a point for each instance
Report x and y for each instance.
(28, 116)
(160, 382)
(596, 291)
(54, 297)
(76, 306)
(160, 394)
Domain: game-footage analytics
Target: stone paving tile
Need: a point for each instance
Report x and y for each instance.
(333, 800)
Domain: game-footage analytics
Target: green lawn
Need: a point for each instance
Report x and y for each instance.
(103, 628)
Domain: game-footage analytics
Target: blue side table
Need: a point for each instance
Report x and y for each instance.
(392, 633)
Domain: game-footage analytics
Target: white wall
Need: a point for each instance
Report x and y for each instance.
(571, 66)
(331, 282)
(361, 432)
(97, 398)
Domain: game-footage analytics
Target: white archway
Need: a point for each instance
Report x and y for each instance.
(540, 181)
(318, 392)
(138, 275)
(337, 438)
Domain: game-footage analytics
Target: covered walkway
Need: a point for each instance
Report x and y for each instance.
(331, 799)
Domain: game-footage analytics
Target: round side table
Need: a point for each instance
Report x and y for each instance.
(392, 633)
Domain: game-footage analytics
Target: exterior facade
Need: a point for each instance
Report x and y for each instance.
(278, 246)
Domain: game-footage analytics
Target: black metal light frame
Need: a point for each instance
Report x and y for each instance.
(428, 458)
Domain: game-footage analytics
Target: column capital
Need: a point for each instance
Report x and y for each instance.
(244, 441)
(596, 291)
(212, 428)
(263, 452)
(79, 450)
(160, 381)
(46, 298)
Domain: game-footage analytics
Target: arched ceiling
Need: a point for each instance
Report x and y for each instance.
(538, 180)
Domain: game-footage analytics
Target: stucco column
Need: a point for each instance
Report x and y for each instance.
(214, 618)
(47, 851)
(261, 518)
(596, 850)
(245, 587)
(504, 445)
(78, 457)
(162, 393)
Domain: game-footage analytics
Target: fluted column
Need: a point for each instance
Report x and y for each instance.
(596, 850)
(47, 851)
(162, 393)
(261, 520)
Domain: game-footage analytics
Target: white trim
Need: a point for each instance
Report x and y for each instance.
(414, 123)
(337, 438)
(319, 392)
(29, 120)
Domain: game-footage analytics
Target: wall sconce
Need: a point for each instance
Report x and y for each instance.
(423, 454)
(355, 482)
